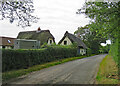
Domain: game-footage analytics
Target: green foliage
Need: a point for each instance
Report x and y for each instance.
(74, 45)
(82, 30)
(108, 72)
(118, 40)
(106, 18)
(115, 53)
(16, 73)
(114, 50)
(17, 59)
(104, 49)
(89, 51)
(90, 38)
(44, 45)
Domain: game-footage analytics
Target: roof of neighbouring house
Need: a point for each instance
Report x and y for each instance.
(41, 35)
(25, 40)
(7, 41)
(73, 38)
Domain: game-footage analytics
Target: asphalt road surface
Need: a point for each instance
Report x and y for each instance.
(82, 71)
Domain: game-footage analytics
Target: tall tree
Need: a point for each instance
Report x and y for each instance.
(20, 10)
(105, 17)
(90, 38)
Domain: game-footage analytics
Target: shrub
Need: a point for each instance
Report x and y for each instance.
(114, 50)
(23, 58)
(89, 51)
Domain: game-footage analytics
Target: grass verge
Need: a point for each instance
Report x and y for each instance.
(16, 73)
(108, 72)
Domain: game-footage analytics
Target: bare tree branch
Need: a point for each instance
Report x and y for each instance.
(20, 10)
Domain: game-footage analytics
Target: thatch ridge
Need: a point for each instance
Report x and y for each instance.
(73, 39)
(42, 35)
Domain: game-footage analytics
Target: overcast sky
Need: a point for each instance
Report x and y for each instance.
(58, 16)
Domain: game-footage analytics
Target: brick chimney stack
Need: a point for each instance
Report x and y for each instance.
(39, 29)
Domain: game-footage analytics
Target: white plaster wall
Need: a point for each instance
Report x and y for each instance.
(68, 41)
(49, 41)
(82, 51)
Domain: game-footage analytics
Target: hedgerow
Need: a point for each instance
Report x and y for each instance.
(23, 58)
(114, 50)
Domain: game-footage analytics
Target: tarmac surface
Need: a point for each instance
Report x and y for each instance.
(81, 71)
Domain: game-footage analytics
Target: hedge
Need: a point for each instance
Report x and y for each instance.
(114, 52)
(18, 59)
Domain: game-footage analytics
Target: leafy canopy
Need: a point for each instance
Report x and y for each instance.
(90, 38)
(105, 17)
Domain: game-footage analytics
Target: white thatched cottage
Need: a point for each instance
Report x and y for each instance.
(69, 39)
(44, 36)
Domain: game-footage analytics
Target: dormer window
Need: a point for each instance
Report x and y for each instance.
(65, 42)
(50, 41)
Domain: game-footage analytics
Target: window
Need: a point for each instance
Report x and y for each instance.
(50, 41)
(9, 41)
(3, 47)
(65, 42)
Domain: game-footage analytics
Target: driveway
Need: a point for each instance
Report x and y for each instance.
(81, 71)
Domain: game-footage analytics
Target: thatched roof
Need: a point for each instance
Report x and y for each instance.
(41, 35)
(73, 39)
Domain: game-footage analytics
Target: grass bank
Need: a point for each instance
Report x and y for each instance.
(108, 72)
(16, 73)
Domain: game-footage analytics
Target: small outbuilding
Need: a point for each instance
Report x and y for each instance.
(69, 39)
(26, 44)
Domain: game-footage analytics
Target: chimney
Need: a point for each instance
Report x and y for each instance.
(66, 31)
(39, 29)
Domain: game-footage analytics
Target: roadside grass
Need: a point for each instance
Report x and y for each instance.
(17, 73)
(108, 72)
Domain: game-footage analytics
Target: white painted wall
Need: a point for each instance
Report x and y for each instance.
(49, 41)
(82, 51)
(68, 41)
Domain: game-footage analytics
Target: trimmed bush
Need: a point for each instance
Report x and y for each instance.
(18, 59)
(114, 50)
